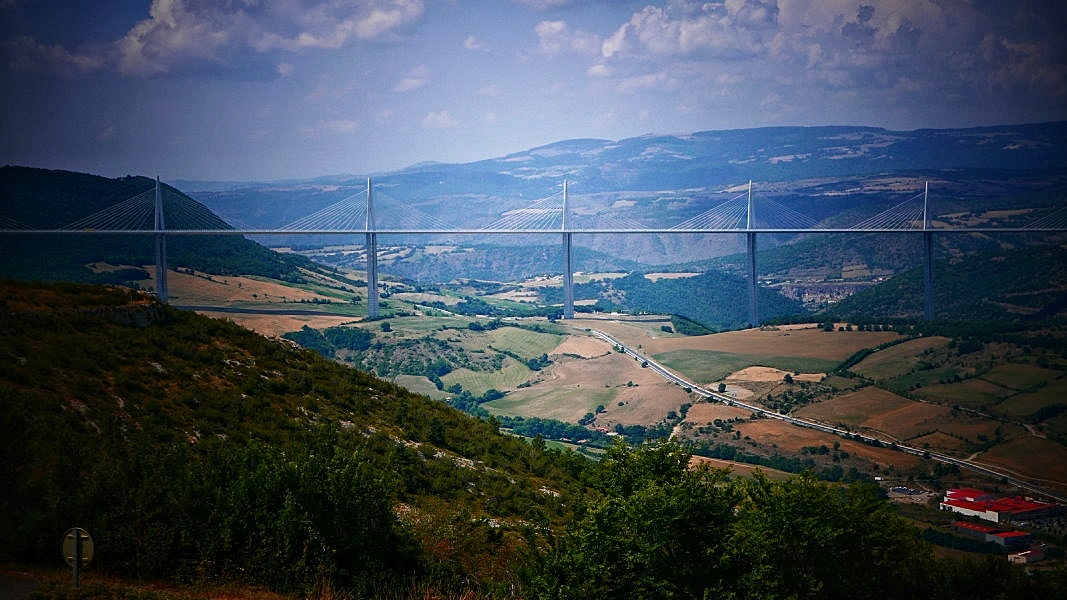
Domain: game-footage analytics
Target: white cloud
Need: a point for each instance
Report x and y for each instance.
(417, 78)
(647, 82)
(178, 32)
(441, 119)
(598, 71)
(26, 54)
(556, 38)
(474, 44)
(737, 28)
(544, 4)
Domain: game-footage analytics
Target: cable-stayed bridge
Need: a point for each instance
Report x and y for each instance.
(162, 211)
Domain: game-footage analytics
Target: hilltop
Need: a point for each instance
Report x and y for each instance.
(48, 199)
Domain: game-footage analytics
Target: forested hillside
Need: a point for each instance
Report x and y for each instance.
(197, 452)
(1028, 285)
(714, 299)
(45, 199)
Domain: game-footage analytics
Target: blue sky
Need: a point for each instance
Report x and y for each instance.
(274, 89)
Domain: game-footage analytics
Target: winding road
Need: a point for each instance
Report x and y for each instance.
(962, 463)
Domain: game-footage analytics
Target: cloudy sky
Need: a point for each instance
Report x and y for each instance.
(272, 89)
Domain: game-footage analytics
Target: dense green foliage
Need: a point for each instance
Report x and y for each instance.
(713, 300)
(653, 527)
(1025, 285)
(192, 448)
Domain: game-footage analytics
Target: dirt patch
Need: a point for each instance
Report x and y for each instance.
(276, 325)
(764, 374)
(798, 340)
(201, 288)
(585, 347)
(422, 298)
(706, 412)
(658, 276)
(572, 387)
(738, 469)
(789, 439)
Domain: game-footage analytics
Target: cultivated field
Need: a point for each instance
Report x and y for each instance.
(586, 373)
(897, 359)
(934, 407)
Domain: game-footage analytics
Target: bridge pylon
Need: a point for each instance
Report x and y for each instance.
(372, 259)
(161, 246)
(568, 264)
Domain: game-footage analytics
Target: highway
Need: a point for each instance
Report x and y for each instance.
(667, 374)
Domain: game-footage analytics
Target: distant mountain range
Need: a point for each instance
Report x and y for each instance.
(825, 173)
(833, 176)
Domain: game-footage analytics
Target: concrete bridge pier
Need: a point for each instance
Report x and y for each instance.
(372, 259)
(568, 278)
(753, 283)
(161, 246)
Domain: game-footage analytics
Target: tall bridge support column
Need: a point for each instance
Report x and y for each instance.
(372, 275)
(161, 246)
(372, 259)
(753, 287)
(928, 276)
(568, 264)
(568, 278)
(161, 267)
(928, 258)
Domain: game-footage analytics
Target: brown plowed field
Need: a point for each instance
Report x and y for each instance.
(789, 439)
(791, 340)
(879, 410)
(1030, 456)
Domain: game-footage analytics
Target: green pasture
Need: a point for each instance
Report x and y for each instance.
(896, 360)
(970, 393)
(550, 402)
(1020, 376)
(924, 378)
(509, 377)
(1056, 425)
(523, 342)
(712, 365)
(420, 385)
(1025, 404)
(419, 326)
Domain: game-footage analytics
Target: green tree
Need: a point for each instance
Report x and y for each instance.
(804, 538)
(652, 529)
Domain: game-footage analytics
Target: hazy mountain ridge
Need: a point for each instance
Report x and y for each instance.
(708, 161)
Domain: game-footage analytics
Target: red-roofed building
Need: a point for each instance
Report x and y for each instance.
(1008, 539)
(969, 495)
(997, 510)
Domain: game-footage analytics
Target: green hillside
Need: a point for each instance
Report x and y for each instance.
(1025, 285)
(196, 452)
(44, 199)
(187, 443)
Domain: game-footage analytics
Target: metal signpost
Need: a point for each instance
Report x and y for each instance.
(77, 550)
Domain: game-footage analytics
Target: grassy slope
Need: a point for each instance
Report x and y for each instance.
(87, 371)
